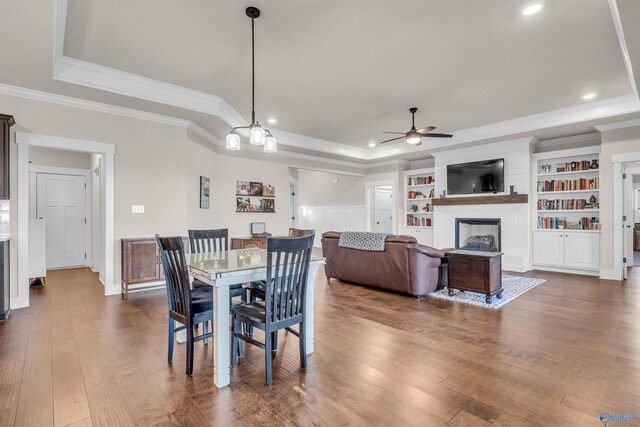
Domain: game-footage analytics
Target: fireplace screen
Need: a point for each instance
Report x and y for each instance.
(478, 234)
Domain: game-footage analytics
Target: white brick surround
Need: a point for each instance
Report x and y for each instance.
(514, 218)
(514, 223)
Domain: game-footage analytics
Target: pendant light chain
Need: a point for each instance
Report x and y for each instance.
(257, 134)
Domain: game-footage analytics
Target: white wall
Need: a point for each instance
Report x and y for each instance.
(41, 156)
(317, 188)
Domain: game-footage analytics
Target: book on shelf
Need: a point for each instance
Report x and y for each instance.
(582, 165)
(421, 180)
(568, 184)
(558, 223)
(414, 221)
(412, 195)
(565, 204)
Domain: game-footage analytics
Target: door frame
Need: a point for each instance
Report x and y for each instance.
(293, 203)
(618, 161)
(24, 141)
(34, 170)
(369, 188)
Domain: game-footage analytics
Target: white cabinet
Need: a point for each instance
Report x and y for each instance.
(424, 236)
(548, 248)
(568, 249)
(582, 250)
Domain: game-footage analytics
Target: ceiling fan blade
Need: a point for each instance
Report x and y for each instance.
(427, 129)
(437, 135)
(397, 133)
(393, 139)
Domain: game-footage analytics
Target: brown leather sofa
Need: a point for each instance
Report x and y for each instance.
(405, 266)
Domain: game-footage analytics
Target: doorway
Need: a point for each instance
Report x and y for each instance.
(383, 209)
(380, 202)
(61, 201)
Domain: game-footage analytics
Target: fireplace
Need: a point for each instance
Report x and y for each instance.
(478, 234)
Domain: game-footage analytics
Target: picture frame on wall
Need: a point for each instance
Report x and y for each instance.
(255, 189)
(269, 205)
(205, 188)
(268, 190)
(249, 204)
(242, 188)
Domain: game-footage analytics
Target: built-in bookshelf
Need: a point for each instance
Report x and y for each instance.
(566, 229)
(568, 192)
(419, 187)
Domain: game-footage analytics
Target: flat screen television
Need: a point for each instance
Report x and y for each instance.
(486, 176)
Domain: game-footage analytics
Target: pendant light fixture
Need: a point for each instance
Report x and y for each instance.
(257, 134)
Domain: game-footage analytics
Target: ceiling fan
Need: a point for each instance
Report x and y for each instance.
(414, 137)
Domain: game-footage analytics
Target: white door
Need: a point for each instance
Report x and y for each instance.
(383, 205)
(548, 248)
(582, 250)
(61, 202)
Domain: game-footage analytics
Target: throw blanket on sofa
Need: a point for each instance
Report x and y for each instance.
(363, 240)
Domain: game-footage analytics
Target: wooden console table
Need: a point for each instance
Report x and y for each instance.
(248, 242)
(476, 271)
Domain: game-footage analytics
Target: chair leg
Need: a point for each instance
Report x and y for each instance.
(171, 340)
(267, 356)
(189, 344)
(303, 346)
(274, 341)
(235, 342)
(206, 331)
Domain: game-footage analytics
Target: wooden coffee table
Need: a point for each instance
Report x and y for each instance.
(476, 271)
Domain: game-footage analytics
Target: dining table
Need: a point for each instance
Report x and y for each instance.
(222, 269)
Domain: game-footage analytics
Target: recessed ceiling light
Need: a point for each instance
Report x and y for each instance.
(272, 120)
(372, 144)
(533, 8)
(588, 96)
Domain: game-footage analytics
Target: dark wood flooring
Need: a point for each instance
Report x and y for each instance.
(559, 355)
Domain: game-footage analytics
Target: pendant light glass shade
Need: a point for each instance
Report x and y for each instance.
(233, 141)
(270, 144)
(257, 135)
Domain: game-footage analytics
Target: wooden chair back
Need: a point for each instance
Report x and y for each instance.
(177, 277)
(297, 232)
(287, 269)
(209, 240)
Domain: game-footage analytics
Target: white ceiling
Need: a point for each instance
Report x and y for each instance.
(341, 71)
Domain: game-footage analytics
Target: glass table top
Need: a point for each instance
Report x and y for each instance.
(213, 263)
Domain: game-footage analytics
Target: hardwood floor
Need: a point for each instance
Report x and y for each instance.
(559, 355)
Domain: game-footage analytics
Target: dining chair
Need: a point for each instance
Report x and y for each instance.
(256, 289)
(213, 241)
(184, 307)
(297, 232)
(284, 304)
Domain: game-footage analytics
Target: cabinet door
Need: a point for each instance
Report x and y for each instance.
(142, 261)
(582, 250)
(548, 248)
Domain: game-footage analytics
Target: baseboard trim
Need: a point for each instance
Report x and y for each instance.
(18, 303)
(112, 290)
(567, 270)
(610, 275)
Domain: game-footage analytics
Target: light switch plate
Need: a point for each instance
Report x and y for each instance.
(137, 208)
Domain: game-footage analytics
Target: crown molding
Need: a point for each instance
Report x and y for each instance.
(618, 125)
(617, 24)
(587, 137)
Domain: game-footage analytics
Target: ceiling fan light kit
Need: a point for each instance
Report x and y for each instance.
(414, 136)
(257, 134)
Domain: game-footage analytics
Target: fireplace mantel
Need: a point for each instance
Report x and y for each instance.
(481, 200)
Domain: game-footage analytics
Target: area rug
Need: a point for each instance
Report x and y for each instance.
(513, 286)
